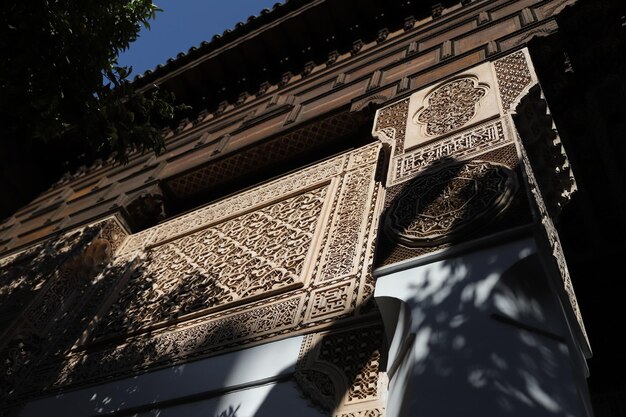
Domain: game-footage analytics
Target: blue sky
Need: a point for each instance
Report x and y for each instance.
(183, 24)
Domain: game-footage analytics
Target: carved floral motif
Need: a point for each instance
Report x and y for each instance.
(249, 255)
(439, 206)
(450, 106)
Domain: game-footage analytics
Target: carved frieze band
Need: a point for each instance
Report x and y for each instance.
(465, 145)
(196, 338)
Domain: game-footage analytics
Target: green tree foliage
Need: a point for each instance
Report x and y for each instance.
(60, 81)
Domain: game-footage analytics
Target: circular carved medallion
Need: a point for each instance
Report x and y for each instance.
(452, 201)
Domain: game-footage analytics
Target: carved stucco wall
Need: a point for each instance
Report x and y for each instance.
(287, 257)
(445, 130)
(341, 372)
(291, 256)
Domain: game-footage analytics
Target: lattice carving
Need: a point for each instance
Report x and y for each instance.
(450, 106)
(246, 256)
(462, 146)
(234, 205)
(343, 249)
(257, 157)
(357, 354)
(394, 117)
(514, 78)
(317, 387)
(439, 206)
(342, 369)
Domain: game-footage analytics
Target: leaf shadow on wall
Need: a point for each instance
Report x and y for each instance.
(488, 330)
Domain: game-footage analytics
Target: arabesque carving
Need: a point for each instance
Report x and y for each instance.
(59, 274)
(239, 271)
(552, 237)
(341, 370)
(113, 232)
(439, 206)
(344, 246)
(248, 255)
(375, 412)
(513, 76)
(394, 117)
(450, 106)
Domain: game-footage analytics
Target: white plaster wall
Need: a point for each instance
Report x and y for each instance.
(250, 378)
(269, 400)
(486, 337)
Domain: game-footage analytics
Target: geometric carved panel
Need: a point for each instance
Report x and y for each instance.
(290, 256)
(340, 372)
(252, 254)
(514, 77)
(437, 207)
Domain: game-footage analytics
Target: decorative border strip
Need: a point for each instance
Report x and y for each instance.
(465, 145)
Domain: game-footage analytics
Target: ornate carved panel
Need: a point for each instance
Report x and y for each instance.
(451, 105)
(346, 241)
(552, 238)
(252, 254)
(439, 206)
(60, 274)
(340, 371)
(514, 78)
(390, 123)
(240, 271)
(113, 232)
